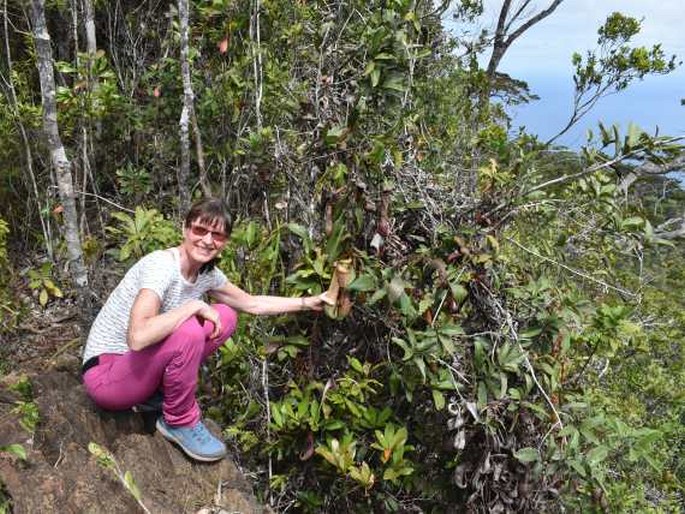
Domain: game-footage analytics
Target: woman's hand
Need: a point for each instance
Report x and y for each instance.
(316, 303)
(209, 313)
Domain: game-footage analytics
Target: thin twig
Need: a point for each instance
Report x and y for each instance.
(587, 171)
(113, 204)
(455, 371)
(437, 312)
(265, 386)
(64, 348)
(529, 365)
(574, 271)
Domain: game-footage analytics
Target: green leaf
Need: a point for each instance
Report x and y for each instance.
(365, 282)
(377, 296)
(578, 466)
(335, 134)
(375, 76)
(15, 449)
(438, 399)
(43, 297)
(633, 222)
(406, 307)
(334, 424)
(597, 455)
(633, 137)
(125, 252)
(299, 231)
(276, 415)
(384, 56)
(395, 83)
(482, 395)
(408, 351)
(452, 330)
(355, 364)
(131, 485)
(527, 454)
(421, 365)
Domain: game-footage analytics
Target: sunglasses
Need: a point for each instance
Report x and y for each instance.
(217, 237)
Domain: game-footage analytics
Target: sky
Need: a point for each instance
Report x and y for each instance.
(542, 57)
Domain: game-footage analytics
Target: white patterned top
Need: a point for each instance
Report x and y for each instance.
(159, 271)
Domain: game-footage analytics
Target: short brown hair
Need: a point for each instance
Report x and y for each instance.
(210, 211)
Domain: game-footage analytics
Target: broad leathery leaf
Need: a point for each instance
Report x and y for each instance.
(406, 307)
(527, 454)
(422, 366)
(597, 455)
(377, 296)
(394, 473)
(334, 424)
(384, 56)
(365, 282)
(335, 134)
(634, 222)
(375, 77)
(395, 82)
(276, 415)
(408, 351)
(578, 466)
(438, 399)
(355, 364)
(451, 330)
(299, 231)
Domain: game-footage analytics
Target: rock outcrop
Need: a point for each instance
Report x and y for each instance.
(61, 475)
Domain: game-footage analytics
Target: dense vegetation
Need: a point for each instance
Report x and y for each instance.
(511, 336)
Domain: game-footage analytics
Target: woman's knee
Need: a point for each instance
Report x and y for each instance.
(189, 332)
(229, 319)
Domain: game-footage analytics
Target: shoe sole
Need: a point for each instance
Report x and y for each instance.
(171, 437)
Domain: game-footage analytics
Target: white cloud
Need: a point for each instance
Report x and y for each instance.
(547, 47)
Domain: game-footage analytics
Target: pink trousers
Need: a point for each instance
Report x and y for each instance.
(121, 381)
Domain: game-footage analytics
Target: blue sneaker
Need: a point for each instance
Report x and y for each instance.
(197, 442)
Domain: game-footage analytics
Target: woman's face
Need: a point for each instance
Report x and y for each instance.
(204, 240)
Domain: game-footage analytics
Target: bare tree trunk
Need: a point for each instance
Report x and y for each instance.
(184, 168)
(256, 37)
(189, 97)
(204, 183)
(506, 34)
(89, 22)
(58, 155)
(13, 103)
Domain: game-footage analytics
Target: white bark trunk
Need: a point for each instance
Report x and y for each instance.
(184, 169)
(89, 22)
(58, 156)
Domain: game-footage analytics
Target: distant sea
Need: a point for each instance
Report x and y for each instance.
(650, 104)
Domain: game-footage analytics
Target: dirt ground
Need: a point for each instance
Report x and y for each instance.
(44, 409)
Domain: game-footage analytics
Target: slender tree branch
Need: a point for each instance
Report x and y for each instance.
(587, 171)
(585, 276)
